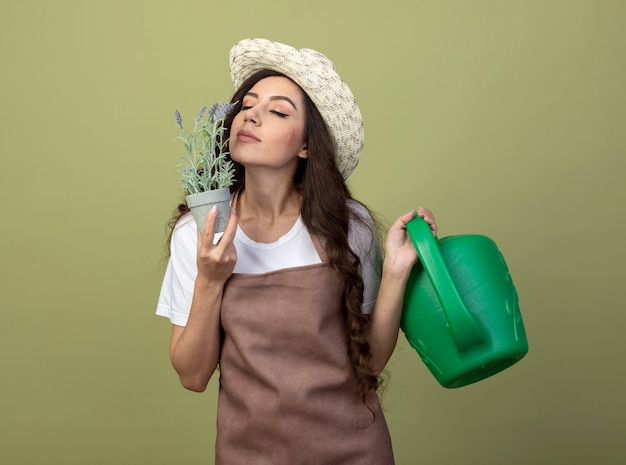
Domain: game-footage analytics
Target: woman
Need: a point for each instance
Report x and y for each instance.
(290, 301)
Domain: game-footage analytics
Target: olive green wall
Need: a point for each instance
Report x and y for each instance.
(506, 118)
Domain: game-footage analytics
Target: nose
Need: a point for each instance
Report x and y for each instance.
(250, 114)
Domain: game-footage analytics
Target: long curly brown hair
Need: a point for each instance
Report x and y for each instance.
(326, 214)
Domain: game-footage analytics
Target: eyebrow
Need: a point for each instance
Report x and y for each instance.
(275, 97)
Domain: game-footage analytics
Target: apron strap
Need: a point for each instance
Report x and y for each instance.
(319, 248)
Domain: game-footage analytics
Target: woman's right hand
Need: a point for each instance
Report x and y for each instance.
(216, 262)
(195, 348)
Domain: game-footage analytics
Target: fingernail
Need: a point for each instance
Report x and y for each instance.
(213, 210)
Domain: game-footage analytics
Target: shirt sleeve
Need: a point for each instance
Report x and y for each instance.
(180, 274)
(364, 243)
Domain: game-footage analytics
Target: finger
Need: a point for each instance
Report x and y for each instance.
(208, 230)
(401, 222)
(231, 227)
(428, 216)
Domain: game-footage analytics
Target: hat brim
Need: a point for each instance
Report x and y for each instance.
(316, 75)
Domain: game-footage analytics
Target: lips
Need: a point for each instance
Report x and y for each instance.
(247, 136)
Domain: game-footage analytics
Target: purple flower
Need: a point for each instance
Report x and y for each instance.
(212, 111)
(222, 111)
(225, 109)
(219, 112)
(200, 114)
(179, 119)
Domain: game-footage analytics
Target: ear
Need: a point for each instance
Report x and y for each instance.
(304, 151)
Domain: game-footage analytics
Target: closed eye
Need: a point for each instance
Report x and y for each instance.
(276, 112)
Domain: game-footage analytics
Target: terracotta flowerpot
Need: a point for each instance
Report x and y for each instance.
(201, 203)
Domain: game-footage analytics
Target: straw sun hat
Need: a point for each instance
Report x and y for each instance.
(316, 75)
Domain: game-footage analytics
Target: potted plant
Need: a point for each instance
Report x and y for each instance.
(208, 172)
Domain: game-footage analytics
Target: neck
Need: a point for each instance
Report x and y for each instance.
(268, 200)
(267, 213)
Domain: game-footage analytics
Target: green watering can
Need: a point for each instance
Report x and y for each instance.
(461, 311)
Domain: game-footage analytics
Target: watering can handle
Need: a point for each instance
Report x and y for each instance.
(463, 326)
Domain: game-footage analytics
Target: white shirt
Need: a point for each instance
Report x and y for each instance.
(294, 249)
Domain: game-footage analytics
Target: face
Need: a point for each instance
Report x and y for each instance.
(268, 132)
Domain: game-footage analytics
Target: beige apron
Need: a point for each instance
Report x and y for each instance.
(287, 394)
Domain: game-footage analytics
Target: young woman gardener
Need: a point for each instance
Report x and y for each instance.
(293, 302)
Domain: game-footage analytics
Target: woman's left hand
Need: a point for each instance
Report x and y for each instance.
(400, 253)
(400, 257)
(428, 216)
